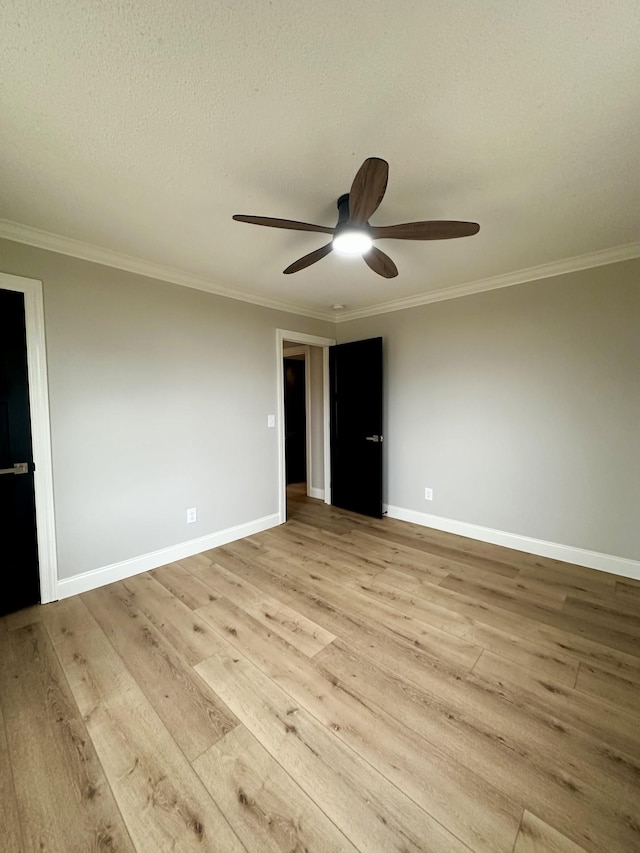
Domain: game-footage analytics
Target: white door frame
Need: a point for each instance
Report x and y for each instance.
(314, 341)
(40, 429)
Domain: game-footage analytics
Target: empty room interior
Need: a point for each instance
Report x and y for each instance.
(320, 427)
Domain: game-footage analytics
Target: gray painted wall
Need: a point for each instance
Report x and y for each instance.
(159, 399)
(520, 407)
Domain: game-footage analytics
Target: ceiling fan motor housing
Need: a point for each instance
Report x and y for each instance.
(343, 209)
(344, 214)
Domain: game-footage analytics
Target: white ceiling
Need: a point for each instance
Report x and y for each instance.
(141, 127)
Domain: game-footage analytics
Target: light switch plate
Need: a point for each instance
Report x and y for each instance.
(271, 421)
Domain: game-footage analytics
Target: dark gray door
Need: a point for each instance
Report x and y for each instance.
(20, 581)
(356, 426)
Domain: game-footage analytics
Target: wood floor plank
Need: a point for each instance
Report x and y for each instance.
(26, 616)
(370, 811)
(575, 580)
(307, 561)
(609, 687)
(357, 551)
(527, 591)
(67, 618)
(628, 592)
(164, 802)
(542, 659)
(605, 615)
(364, 635)
(527, 755)
(556, 572)
(551, 637)
(413, 663)
(412, 631)
(162, 799)
(77, 638)
(9, 820)
(302, 633)
(64, 800)
(176, 692)
(613, 725)
(253, 570)
(492, 594)
(572, 624)
(416, 629)
(455, 549)
(186, 632)
(305, 596)
(469, 807)
(388, 527)
(536, 836)
(268, 811)
(196, 559)
(407, 555)
(183, 584)
(595, 593)
(413, 667)
(476, 551)
(222, 583)
(334, 562)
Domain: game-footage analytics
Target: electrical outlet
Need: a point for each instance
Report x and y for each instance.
(428, 494)
(192, 515)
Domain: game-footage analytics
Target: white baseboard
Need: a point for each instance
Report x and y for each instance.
(591, 559)
(315, 493)
(146, 562)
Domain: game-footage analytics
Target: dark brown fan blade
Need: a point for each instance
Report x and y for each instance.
(436, 230)
(282, 223)
(309, 259)
(367, 189)
(380, 263)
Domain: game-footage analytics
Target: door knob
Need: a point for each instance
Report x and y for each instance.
(18, 468)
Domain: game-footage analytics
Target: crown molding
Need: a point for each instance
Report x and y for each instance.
(19, 233)
(87, 252)
(580, 262)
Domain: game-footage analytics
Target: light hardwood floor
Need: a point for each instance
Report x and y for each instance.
(335, 684)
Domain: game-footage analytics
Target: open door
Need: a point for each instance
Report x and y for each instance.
(18, 546)
(356, 426)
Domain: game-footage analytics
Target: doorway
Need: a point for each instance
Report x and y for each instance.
(303, 420)
(297, 453)
(34, 510)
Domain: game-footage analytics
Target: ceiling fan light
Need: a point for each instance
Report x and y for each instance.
(352, 241)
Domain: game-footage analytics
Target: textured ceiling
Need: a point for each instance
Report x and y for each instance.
(141, 127)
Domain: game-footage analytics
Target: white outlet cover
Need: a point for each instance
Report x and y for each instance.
(428, 494)
(271, 421)
(192, 515)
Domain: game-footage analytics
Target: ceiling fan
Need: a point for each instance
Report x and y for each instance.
(353, 235)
